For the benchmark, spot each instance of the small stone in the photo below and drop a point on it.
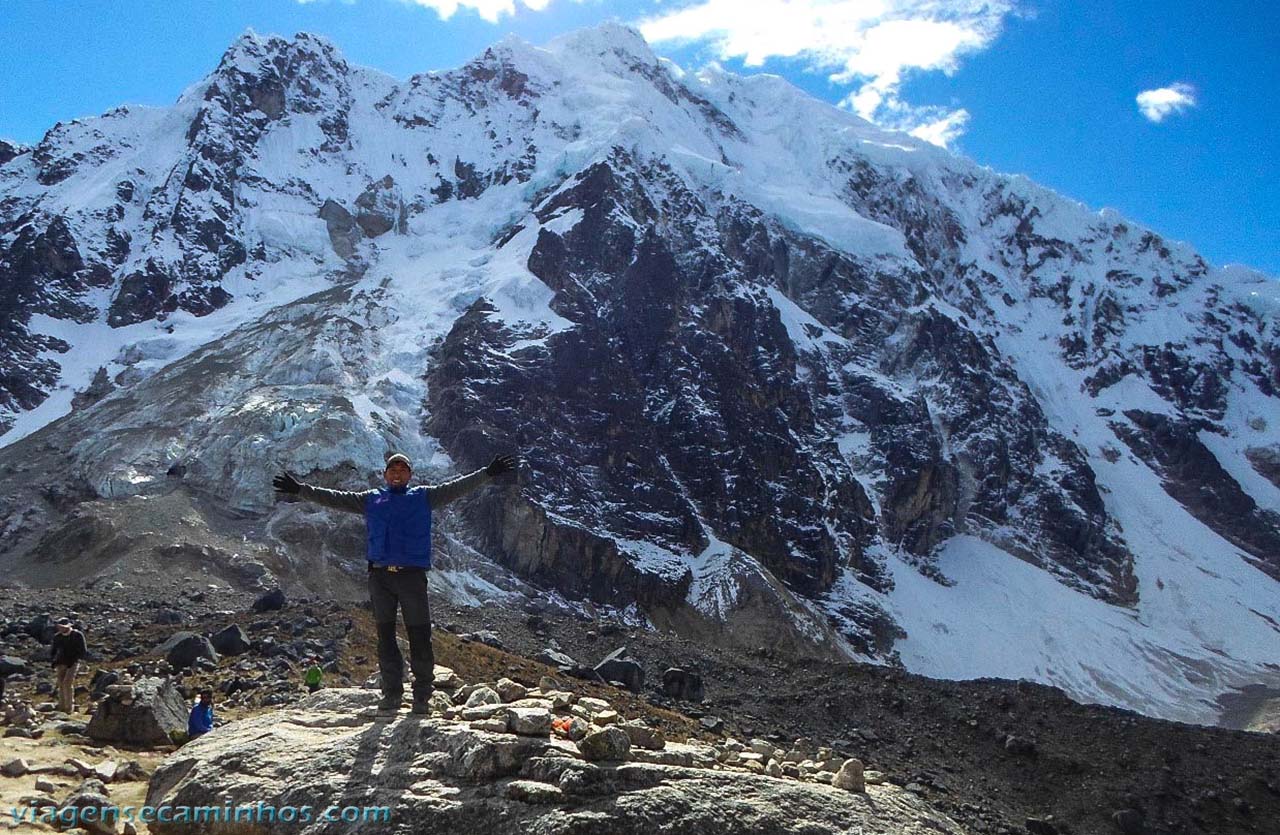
(850, 777)
(593, 704)
(106, 770)
(1019, 746)
(773, 769)
(15, 767)
(642, 736)
(472, 714)
(873, 778)
(610, 743)
(493, 725)
(510, 691)
(529, 721)
(606, 717)
(444, 678)
(531, 791)
(483, 696)
(44, 785)
(82, 768)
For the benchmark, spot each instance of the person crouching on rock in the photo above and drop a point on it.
(398, 522)
(201, 720)
(66, 651)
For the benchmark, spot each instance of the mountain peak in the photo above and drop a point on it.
(249, 50)
(607, 38)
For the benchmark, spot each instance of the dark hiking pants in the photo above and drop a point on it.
(406, 589)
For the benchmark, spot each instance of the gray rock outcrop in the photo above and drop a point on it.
(437, 776)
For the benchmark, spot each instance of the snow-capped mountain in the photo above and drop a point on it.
(780, 377)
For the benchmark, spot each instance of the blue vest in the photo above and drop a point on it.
(399, 526)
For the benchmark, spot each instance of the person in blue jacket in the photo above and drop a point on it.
(398, 526)
(201, 720)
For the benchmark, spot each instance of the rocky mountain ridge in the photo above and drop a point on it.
(779, 377)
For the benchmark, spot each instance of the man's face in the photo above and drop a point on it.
(64, 629)
(397, 474)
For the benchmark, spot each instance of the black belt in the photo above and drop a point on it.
(394, 569)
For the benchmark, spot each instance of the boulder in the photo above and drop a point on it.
(529, 721)
(682, 684)
(271, 601)
(611, 743)
(617, 666)
(510, 691)
(12, 665)
(40, 627)
(850, 776)
(93, 809)
(101, 680)
(15, 767)
(484, 636)
(231, 641)
(143, 714)
(380, 208)
(642, 736)
(555, 658)
(483, 696)
(344, 234)
(183, 648)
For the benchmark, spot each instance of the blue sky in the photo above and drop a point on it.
(1046, 88)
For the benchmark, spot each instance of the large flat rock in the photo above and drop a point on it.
(438, 776)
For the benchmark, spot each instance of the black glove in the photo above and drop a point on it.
(286, 483)
(501, 464)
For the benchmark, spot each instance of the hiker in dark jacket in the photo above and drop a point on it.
(66, 651)
(200, 721)
(398, 526)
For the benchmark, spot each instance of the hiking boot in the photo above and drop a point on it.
(421, 704)
(390, 702)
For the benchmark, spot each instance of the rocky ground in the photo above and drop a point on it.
(988, 755)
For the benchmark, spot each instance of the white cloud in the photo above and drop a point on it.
(943, 131)
(873, 44)
(490, 10)
(1165, 101)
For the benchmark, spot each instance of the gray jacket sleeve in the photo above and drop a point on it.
(337, 499)
(441, 494)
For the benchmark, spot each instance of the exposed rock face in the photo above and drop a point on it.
(436, 776)
(143, 713)
(9, 150)
(1266, 460)
(1193, 476)
(344, 234)
(380, 208)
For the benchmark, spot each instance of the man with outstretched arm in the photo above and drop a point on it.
(398, 523)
